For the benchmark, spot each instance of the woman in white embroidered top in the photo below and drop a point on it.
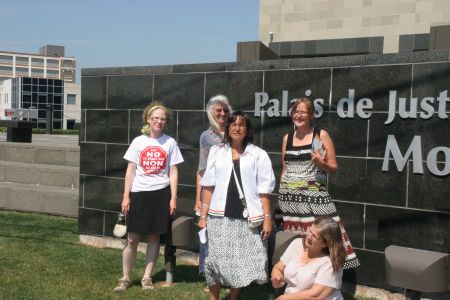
(236, 187)
(312, 266)
(150, 191)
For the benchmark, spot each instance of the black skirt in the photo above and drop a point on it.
(149, 212)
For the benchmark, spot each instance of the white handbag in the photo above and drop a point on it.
(120, 229)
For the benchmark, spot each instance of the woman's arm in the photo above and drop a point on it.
(277, 275)
(267, 225)
(129, 177)
(198, 191)
(327, 163)
(317, 291)
(207, 192)
(173, 181)
(283, 153)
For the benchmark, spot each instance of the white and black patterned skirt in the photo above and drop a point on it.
(237, 255)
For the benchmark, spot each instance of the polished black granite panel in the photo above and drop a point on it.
(187, 170)
(430, 80)
(366, 85)
(352, 217)
(81, 191)
(258, 65)
(90, 221)
(143, 70)
(372, 270)
(428, 191)
(357, 179)
(180, 91)
(92, 159)
(116, 165)
(349, 136)
(125, 92)
(257, 128)
(103, 193)
(136, 124)
(273, 131)
(296, 83)
(276, 166)
(186, 200)
(239, 87)
(403, 130)
(408, 228)
(109, 126)
(406, 57)
(433, 132)
(93, 93)
(82, 125)
(211, 67)
(320, 62)
(191, 124)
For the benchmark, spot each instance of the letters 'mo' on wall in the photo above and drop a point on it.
(387, 115)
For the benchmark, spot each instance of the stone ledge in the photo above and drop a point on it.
(192, 259)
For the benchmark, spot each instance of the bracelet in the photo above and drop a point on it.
(268, 215)
(202, 217)
(204, 204)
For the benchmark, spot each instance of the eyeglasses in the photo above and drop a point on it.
(155, 119)
(219, 110)
(235, 126)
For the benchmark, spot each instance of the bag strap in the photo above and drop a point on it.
(241, 194)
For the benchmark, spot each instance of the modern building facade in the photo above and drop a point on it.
(39, 82)
(310, 28)
(49, 63)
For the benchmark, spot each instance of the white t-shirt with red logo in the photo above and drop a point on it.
(153, 159)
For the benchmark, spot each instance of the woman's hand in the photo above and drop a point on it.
(125, 205)
(202, 223)
(172, 206)
(267, 228)
(316, 158)
(277, 279)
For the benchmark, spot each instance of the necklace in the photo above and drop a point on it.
(235, 155)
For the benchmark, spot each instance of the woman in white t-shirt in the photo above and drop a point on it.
(312, 266)
(150, 192)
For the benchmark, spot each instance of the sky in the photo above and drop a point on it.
(116, 33)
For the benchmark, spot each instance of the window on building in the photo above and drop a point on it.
(6, 59)
(6, 70)
(22, 60)
(71, 99)
(37, 62)
(52, 63)
(21, 71)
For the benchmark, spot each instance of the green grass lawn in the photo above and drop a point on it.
(41, 258)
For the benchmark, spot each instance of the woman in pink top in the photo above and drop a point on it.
(312, 266)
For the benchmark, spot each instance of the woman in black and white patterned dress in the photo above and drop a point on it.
(308, 154)
(237, 252)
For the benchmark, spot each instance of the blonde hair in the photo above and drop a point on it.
(217, 99)
(331, 234)
(148, 111)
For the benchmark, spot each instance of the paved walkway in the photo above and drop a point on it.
(59, 140)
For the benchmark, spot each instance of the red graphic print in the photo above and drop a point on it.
(153, 160)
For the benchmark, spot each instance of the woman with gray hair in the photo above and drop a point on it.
(218, 110)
